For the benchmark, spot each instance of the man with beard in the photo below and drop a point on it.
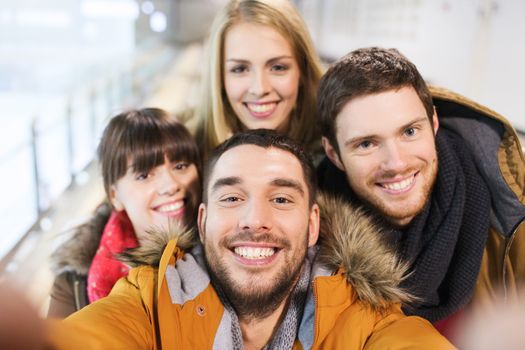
(449, 189)
(257, 278)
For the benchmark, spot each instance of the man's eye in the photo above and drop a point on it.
(230, 199)
(364, 144)
(281, 200)
(410, 131)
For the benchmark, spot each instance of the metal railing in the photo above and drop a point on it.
(69, 140)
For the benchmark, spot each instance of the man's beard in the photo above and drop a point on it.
(392, 217)
(248, 301)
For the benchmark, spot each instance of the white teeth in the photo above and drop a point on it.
(171, 207)
(261, 108)
(401, 185)
(254, 253)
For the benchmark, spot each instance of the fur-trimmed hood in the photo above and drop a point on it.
(152, 247)
(77, 253)
(349, 239)
(499, 157)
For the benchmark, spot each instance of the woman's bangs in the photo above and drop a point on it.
(147, 154)
(182, 148)
(154, 151)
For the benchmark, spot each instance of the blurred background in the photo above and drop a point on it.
(67, 66)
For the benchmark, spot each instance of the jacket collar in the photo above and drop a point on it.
(350, 242)
(497, 152)
(76, 254)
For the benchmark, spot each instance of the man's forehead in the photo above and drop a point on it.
(251, 161)
(378, 112)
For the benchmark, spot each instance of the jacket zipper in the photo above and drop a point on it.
(316, 313)
(76, 288)
(508, 243)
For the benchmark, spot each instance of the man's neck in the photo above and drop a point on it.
(256, 333)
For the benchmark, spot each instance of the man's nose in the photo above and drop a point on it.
(394, 157)
(256, 216)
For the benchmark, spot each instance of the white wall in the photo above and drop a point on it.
(474, 47)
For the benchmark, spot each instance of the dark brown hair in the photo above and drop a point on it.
(143, 138)
(264, 138)
(362, 72)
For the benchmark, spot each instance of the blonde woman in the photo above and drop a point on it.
(262, 72)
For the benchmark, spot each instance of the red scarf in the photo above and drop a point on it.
(105, 270)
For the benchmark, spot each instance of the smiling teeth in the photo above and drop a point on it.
(261, 108)
(401, 185)
(254, 253)
(171, 207)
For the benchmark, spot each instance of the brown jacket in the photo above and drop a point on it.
(493, 141)
(70, 264)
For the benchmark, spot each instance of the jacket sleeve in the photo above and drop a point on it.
(62, 297)
(407, 333)
(122, 320)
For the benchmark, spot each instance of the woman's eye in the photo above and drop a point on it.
(181, 166)
(141, 176)
(279, 67)
(239, 69)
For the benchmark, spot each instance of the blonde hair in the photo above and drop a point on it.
(216, 119)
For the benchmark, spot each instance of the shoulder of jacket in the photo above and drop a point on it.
(78, 251)
(352, 242)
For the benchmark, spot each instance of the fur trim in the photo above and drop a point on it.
(352, 240)
(77, 253)
(348, 239)
(151, 248)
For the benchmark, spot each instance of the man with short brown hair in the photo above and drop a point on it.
(447, 181)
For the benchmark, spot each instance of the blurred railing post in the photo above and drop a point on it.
(109, 98)
(93, 117)
(135, 88)
(69, 140)
(36, 174)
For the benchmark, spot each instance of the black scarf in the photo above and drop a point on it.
(445, 241)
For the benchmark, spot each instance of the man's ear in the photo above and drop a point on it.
(114, 200)
(313, 225)
(201, 221)
(435, 121)
(331, 153)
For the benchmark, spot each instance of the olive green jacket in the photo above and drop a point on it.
(499, 157)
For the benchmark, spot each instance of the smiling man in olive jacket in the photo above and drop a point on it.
(445, 174)
(259, 277)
